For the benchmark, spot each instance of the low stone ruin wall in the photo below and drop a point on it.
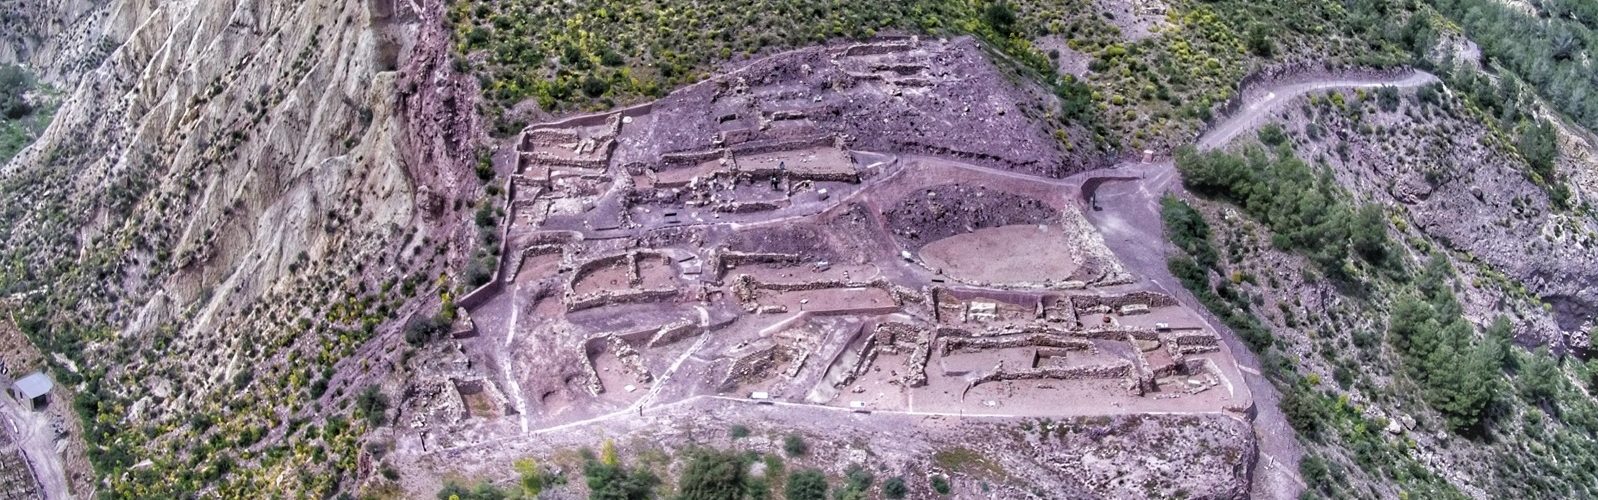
(607, 297)
(916, 376)
(851, 311)
(755, 366)
(979, 344)
(630, 260)
(893, 335)
(594, 385)
(1087, 303)
(850, 177)
(534, 138)
(1193, 343)
(464, 326)
(1118, 333)
(480, 385)
(625, 354)
(791, 131)
(673, 332)
(434, 402)
(530, 251)
(745, 288)
(776, 146)
(602, 118)
(629, 358)
(724, 261)
(1143, 377)
(745, 207)
(866, 355)
(582, 163)
(690, 159)
(877, 49)
(591, 266)
(1123, 371)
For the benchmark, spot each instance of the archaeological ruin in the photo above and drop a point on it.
(790, 233)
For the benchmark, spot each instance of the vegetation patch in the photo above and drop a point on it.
(968, 461)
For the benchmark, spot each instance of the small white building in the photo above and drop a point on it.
(34, 388)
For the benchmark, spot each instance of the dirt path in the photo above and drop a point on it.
(1131, 225)
(32, 435)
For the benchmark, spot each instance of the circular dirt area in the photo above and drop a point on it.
(1005, 255)
(949, 210)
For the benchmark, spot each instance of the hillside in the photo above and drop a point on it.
(917, 248)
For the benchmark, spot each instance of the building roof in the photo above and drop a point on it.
(34, 385)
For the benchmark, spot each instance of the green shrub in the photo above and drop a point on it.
(895, 488)
(856, 485)
(479, 271)
(594, 86)
(615, 482)
(483, 491)
(795, 445)
(713, 475)
(806, 484)
(423, 330)
(940, 484)
(1305, 211)
(1000, 16)
(372, 404)
(1188, 230)
(1273, 135)
(1458, 375)
(14, 83)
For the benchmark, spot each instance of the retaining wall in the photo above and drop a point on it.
(979, 344)
(607, 297)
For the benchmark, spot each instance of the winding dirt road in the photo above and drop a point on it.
(1131, 226)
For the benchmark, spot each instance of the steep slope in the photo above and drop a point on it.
(223, 208)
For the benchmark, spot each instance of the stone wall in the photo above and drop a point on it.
(775, 146)
(594, 385)
(590, 266)
(876, 49)
(674, 332)
(602, 118)
(629, 358)
(893, 335)
(745, 207)
(756, 366)
(979, 344)
(582, 163)
(745, 289)
(751, 134)
(673, 161)
(477, 297)
(722, 262)
(1086, 303)
(1142, 379)
(608, 297)
(1123, 371)
(864, 357)
(1193, 343)
(916, 376)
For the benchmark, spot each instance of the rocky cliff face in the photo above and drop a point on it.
(1462, 185)
(221, 207)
